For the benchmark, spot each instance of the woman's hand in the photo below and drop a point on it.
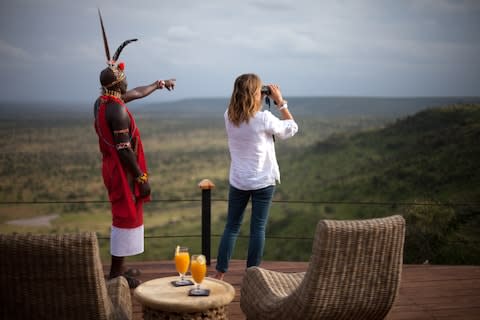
(276, 94)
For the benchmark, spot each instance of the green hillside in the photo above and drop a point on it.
(425, 166)
(431, 155)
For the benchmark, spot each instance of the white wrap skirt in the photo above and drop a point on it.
(126, 242)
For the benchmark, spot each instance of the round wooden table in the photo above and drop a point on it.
(161, 300)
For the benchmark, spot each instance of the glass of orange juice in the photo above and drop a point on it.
(198, 268)
(182, 261)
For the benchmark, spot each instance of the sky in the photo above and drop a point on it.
(52, 50)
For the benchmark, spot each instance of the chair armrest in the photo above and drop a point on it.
(264, 292)
(269, 282)
(119, 293)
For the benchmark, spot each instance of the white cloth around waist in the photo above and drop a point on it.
(126, 242)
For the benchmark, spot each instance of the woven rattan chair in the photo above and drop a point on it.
(354, 273)
(58, 277)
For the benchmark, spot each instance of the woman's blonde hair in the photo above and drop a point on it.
(244, 102)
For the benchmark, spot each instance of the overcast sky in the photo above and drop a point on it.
(52, 50)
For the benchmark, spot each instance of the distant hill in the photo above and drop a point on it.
(384, 107)
(337, 107)
(431, 158)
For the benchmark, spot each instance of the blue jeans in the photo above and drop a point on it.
(237, 202)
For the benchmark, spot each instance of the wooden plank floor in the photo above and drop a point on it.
(426, 291)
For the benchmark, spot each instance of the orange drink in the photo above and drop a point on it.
(199, 271)
(182, 260)
(198, 268)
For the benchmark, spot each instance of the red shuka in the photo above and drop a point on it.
(127, 207)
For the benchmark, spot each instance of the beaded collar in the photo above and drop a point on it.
(112, 93)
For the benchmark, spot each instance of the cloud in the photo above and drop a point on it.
(181, 33)
(9, 53)
(275, 5)
(446, 6)
(332, 43)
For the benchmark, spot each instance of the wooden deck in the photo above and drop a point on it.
(426, 291)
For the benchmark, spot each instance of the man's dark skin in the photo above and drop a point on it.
(118, 120)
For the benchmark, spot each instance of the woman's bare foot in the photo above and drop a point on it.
(219, 275)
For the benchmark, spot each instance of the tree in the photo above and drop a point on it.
(429, 225)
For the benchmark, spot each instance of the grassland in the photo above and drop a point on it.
(331, 169)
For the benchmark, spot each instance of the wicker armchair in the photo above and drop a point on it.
(58, 277)
(354, 273)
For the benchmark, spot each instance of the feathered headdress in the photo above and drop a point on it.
(117, 68)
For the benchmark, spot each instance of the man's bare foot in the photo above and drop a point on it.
(219, 275)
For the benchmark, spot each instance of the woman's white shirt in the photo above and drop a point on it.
(252, 150)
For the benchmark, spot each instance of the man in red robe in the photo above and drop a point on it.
(124, 168)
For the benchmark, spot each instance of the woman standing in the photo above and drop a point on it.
(253, 168)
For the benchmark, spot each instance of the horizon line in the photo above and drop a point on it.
(19, 101)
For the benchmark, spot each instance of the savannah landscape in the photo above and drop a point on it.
(353, 160)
